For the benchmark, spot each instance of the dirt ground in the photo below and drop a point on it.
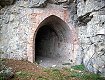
(24, 66)
(19, 65)
(31, 71)
(24, 70)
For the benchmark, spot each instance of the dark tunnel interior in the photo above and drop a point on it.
(52, 42)
(44, 38)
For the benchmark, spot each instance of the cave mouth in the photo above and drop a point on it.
(52, 43)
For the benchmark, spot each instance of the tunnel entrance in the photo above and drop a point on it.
(52, 43)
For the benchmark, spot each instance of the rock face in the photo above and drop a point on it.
(6, 2)
(91, 19)
(43, 3)
(20, 22)
(60, 1)
(37, 3)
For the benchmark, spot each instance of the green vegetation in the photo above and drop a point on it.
(86, 75)
(23, 74)
(79, 72)
(79, 67)
(55, 74)
(42, 78)
(1, 78)
(76, 72)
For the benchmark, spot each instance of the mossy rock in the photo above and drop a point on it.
(1, 52)
(6, 73)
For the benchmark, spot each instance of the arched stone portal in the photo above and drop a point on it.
(53, 43)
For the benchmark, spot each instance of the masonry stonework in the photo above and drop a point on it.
(20, 27)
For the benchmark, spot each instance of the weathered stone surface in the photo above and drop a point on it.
(43, 3)
(89, 6)
(58, 1)
(37, 3)
(92, 34)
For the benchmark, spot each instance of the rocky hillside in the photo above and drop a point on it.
(88, 16)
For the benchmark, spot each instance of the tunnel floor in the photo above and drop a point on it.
(51, 63)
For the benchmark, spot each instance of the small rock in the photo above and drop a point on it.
(72, 69)
(40, 60)
(80, 71)
(53, 65)
(12, 18)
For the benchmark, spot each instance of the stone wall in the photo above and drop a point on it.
(91, 26)
(19, 26)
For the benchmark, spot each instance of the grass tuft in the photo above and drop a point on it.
(41, 78)
(23, 74)
(78, 67)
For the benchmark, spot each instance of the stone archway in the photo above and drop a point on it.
(53, 42)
